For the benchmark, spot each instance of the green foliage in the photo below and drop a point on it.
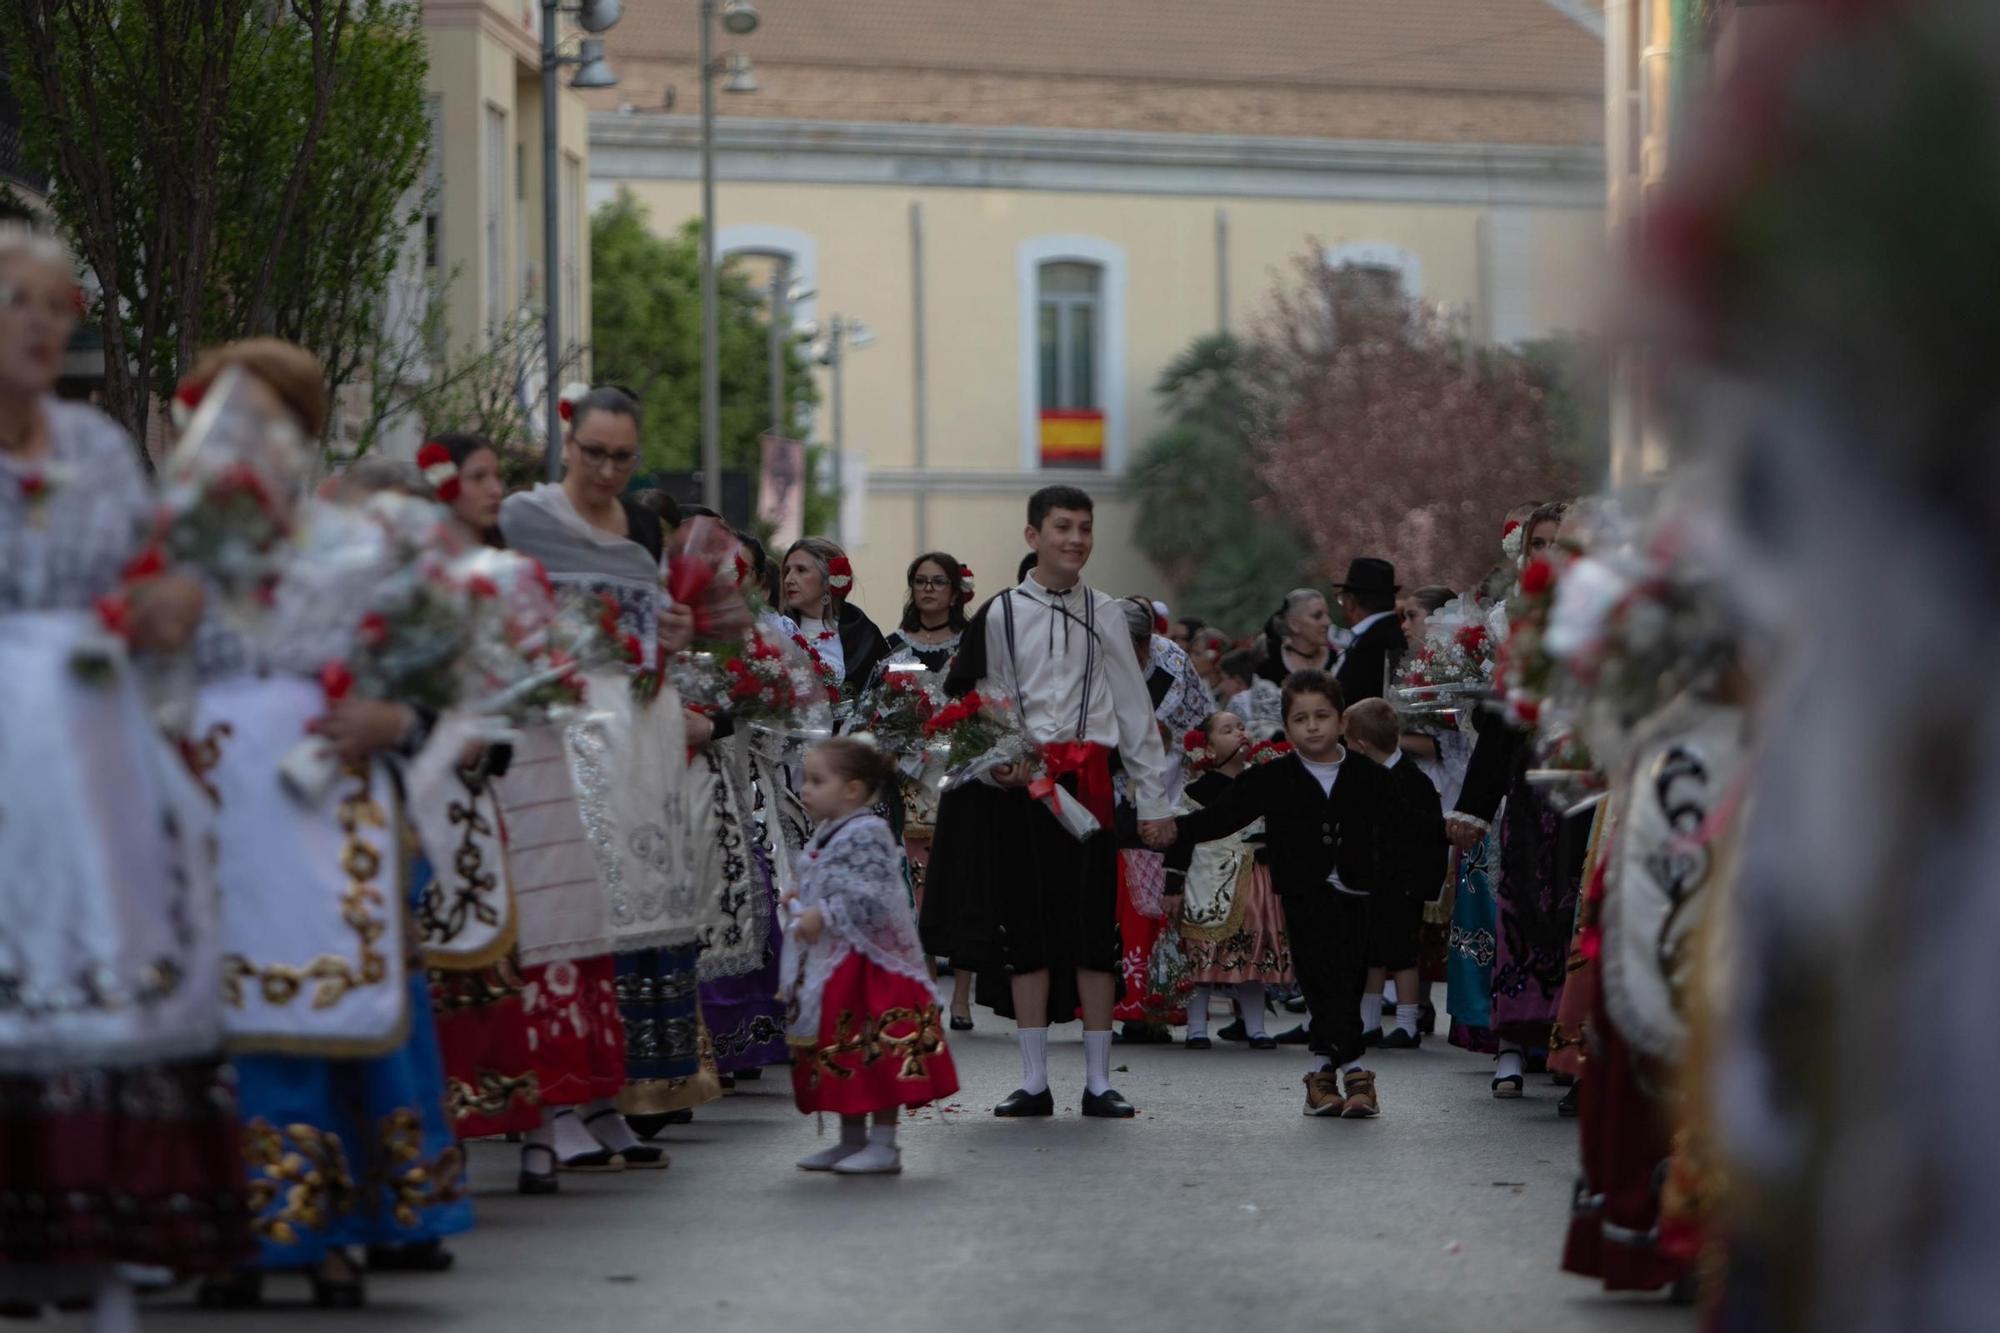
(1202, 516)
(1576, 394)
(225, 170)
(646, 335)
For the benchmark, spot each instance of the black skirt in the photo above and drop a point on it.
(1009, 891)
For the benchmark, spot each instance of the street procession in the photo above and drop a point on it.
(1019, 667)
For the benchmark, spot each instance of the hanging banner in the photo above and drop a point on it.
(781, 489)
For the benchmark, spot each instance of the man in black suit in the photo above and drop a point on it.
(1368, 601)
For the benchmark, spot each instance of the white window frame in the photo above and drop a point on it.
(1109, 258)
(799, 250)
(1380, 254)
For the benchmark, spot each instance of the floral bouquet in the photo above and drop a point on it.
(1454, 666)
(900, 705)
(706, 573)
(1524, 670)
(823, 672)
(978, 733)
(525, 658)
(1201, 756)
(229, 490)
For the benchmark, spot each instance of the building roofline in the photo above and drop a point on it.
(653, 146)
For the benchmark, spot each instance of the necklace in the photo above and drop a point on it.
(934, 629)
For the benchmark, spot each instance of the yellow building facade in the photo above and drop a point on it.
(1028, 265)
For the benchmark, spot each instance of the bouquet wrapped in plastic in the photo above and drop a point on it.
(1168, 978)
(899, 705)
(524, 659)
(1452, 669)
(978, 733)
(706, 573)
(230, 489)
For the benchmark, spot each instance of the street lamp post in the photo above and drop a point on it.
(739, 17)
(842, 335)
(592, 72)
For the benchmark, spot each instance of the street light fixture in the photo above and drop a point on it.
(742, 78)
(592, 71)
(739, 17)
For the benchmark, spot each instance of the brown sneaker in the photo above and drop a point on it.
(1360, 1103)
(1323, 1093)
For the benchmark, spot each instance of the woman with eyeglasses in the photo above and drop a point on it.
(119, 1120)
(629, 759)
(817, 581)
(934, 616)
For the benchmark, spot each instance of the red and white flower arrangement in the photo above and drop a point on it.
(434, 461)
(1512, 539)
(965, 584)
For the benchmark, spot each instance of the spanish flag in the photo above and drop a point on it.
(1072, 439)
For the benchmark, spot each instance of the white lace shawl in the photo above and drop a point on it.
(852, 872)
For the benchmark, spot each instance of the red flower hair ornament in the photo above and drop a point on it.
(186, 401)
(434, 461)
(965, 579)
(840, 576)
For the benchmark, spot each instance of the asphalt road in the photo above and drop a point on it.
(1218, 1208)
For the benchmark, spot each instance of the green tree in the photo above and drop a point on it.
(225, 168)
(646, 335)
(1204, 517)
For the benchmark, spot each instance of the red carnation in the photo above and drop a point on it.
(34, 487)
(482, 587)
(1194, 740)
(113, 612)
(840, 575)
(1160, 625)
(374, 630)
(336, 680)
(1538, 577)
(149, 563)
(1472, 638)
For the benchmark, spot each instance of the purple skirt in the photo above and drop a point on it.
(745, 1018)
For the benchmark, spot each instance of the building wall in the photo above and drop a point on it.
(485, 56)
(1514, 263)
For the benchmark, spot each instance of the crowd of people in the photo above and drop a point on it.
(277, 949)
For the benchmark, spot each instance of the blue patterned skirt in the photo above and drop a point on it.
(1475, 927)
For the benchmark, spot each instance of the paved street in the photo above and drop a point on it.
(1220, 1205)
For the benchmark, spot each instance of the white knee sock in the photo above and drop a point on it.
(1510, 1062)
(116, 1308)
(1198, 1013)
(1250, 1005)
(571, 1138)
(1034, 1059)
(610, 1130)
(1390, 995)
(1371, 1012)
(1406, 1017)
(1097, 1062)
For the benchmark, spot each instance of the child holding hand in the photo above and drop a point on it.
(865, 1028)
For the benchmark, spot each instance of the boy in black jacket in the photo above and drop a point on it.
(1414, 858)
(1323, 811)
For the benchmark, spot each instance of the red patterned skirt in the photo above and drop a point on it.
(517, 1040)
(881, 1045)
(140, 1166)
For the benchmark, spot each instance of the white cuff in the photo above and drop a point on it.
(1460, 817)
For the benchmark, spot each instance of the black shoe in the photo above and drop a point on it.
(1563, 1080)
(428, 1256)
(1108, 1106)
(1022, 1105)
(542, 1181)
(1297, 1036)
(1427, 1020)
(1264, 1043)
(1567, 1107)
(1395, 1039)
(960, 1024)
(1372, 1038)
(1199, 1043)
(749, 1075)
(1296, 1005)
(1233, 1031)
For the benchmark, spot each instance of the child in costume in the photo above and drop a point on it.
(866, 1031)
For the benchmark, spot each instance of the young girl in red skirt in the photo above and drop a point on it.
(866, 1031)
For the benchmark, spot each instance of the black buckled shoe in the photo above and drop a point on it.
(1264, 1043)
(961, 1024)
(1199, 1043)
(1400, 1039)
(1022, 1105)
(1372, 1038)
(1297, 1036)
(1233, 1031)
(1108, 1105)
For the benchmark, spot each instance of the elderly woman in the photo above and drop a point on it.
(1297, 637)
(118, 1119)
(816, 582)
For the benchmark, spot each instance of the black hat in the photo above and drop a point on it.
(1368, 574)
